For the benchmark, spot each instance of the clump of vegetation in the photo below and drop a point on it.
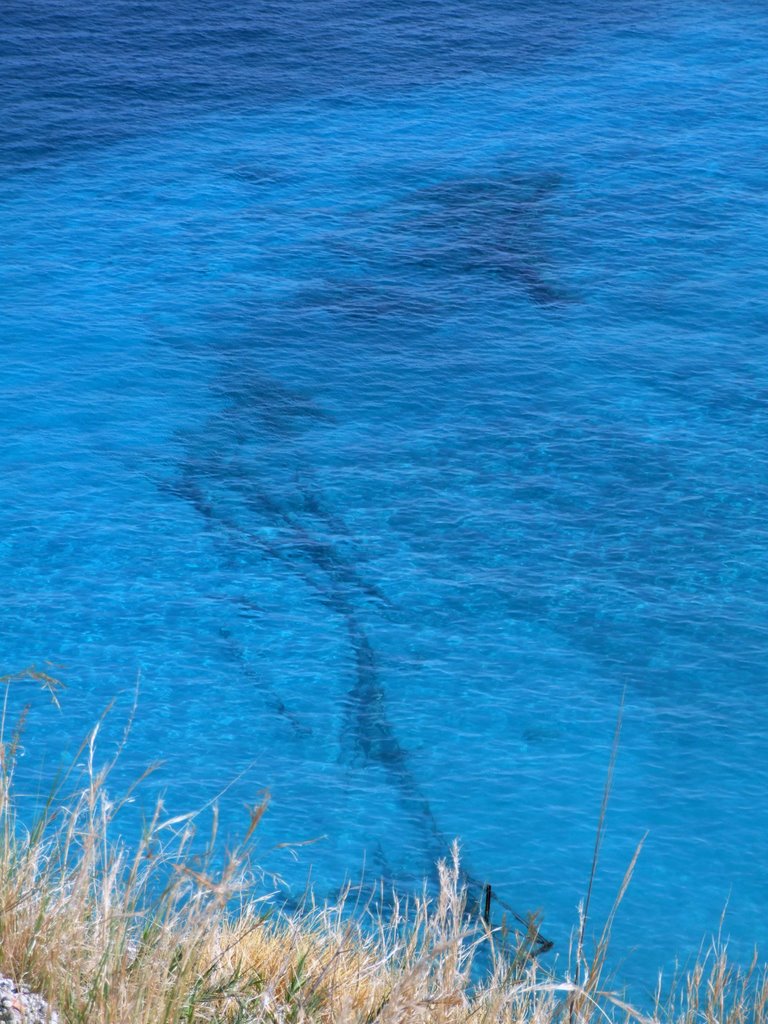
(156, 936)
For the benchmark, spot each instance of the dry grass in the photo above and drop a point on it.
(150, 938)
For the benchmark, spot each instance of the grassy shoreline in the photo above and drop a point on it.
(154, 935)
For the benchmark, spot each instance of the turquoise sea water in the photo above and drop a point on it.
(387, 387)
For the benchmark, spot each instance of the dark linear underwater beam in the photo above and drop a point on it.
(188, 491)
(377, 741)
(373, 739)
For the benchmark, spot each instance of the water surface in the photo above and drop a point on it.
(387, 387)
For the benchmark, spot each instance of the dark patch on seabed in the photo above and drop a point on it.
(492, 224)
(298, 541)
(417, 252)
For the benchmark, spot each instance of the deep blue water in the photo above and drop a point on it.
(387, 384)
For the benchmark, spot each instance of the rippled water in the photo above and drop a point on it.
(387, 385)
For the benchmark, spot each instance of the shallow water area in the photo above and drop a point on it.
(390, 396)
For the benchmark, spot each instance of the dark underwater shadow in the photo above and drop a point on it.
(236, 498)
(492, 224)
(441, 246)
(376, 280)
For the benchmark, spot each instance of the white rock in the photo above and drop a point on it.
(20, 1006)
